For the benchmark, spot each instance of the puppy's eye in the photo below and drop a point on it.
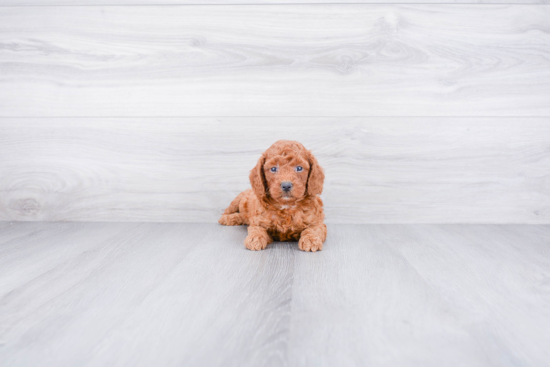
(273, 169)
(299, 169)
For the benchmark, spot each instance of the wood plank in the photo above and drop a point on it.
(157, 295)
(226, 306)
(372, 306)
(87, 289)
(191, 294)
(430, 295)
(492, 263)
(284, 60)
(378, 170)
(251, 2)
(13, 230)
(47, 248)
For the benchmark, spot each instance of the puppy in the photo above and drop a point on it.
(284, 202)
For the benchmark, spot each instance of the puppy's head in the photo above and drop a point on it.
(285, 173)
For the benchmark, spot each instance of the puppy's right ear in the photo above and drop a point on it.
(257, 179)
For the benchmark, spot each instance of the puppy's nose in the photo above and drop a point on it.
(286, 186)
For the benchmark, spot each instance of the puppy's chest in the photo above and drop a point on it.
(286, 224)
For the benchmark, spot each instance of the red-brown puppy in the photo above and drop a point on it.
(284, 202)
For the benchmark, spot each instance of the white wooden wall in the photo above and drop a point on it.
(418, 112)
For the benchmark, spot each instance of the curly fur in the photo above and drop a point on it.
(273, 214)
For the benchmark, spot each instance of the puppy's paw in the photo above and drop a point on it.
(231, 219)
(224, 220)
(255, 243)
(310, 243)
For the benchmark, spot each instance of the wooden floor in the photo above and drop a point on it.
(169, 294)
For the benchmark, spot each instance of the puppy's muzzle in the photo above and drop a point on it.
(286, 186)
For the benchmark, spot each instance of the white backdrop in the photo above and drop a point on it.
(418, 113)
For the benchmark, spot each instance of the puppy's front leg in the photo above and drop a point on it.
(312, 238)
(257, 238)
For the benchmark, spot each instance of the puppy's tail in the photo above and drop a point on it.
(234, 206)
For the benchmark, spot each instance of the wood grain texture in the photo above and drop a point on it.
(162, 294)
(378, 170)
(424, 295)
(284, 60)
(191, 292)
(251, 2)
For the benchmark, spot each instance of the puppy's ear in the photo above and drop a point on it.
(257, 179)
(316, 176)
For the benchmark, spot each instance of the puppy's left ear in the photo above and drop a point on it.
(316, 176)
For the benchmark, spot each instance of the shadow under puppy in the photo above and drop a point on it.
(284, 202)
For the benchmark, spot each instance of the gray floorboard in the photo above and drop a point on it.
(173, 294)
